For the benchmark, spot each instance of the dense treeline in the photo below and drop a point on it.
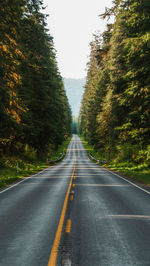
(115, 111)
(34, 109)
(74, 125)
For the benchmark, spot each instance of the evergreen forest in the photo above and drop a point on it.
(115, 111)
(34, 111)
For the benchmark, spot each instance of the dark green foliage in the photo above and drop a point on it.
(116, 108)
(74, 125)
(10, 57)
(34, 108)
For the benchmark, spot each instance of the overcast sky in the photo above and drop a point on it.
(72, 24)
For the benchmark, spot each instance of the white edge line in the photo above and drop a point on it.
(128, 181)
(25, 178)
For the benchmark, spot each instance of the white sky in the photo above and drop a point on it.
(72, 24)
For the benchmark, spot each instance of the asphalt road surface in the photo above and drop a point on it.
(75, 213)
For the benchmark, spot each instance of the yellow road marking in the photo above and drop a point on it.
(71, 197)
(54, 251)
(68, 226)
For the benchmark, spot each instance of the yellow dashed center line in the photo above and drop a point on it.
(71, 198)
(54, 250)
(68, 226)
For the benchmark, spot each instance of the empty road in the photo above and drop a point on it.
(75, 213)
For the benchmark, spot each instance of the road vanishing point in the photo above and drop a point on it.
(75, 213)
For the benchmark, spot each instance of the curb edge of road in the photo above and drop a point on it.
(23, 178)
(18, 181)
(120, 174)
(142, 186)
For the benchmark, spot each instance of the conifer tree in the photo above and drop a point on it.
(130, 73)
(11, 107)
(122, 97)
(34, 108)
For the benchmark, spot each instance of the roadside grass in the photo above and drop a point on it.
(139, 172)
(62, 148)
(17, 168)
(90, 149)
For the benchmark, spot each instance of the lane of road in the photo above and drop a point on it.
(30, 212)
(110, 219)
(107, 220)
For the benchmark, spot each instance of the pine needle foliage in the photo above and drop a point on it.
(34, 108)
(115, 111)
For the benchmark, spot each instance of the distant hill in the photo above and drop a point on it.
(74, 90)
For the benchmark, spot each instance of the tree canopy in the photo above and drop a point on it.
(34, 107)
(115, 109)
